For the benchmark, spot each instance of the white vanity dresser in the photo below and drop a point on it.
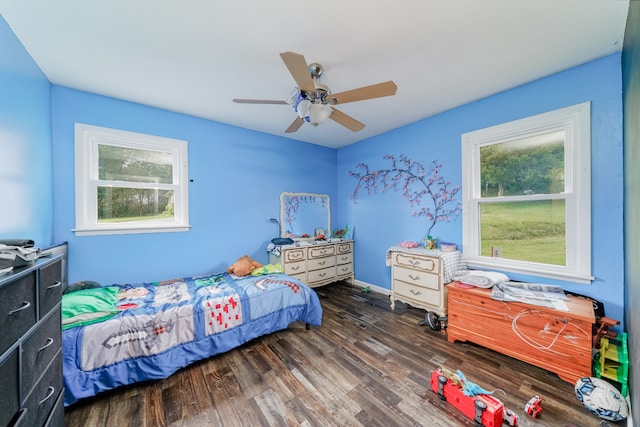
(314, 261)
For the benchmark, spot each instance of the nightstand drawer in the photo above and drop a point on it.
(17, 309)
(417, 277)
(416, 293)
(429, 264)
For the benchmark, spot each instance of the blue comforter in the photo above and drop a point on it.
(164, 326)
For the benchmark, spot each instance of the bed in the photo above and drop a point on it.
(124, 334)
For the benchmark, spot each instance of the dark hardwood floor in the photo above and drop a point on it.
(367, 365)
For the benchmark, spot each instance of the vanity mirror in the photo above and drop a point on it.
(304, 215)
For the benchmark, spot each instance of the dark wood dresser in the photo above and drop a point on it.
(31, 386)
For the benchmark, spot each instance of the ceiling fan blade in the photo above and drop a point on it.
(367, 92)
(346, 120)
(295, 125)
(258, 101)
(299, 70)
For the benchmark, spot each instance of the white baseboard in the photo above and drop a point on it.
(374, 288)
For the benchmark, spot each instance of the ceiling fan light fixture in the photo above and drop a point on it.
(318, 113)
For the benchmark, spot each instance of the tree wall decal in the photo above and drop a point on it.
(417, 187)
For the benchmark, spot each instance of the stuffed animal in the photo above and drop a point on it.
(243, 266)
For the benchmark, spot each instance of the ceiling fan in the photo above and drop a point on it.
(314, 102)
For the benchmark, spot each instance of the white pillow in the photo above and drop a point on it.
(480, 278)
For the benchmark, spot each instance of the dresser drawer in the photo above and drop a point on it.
(345, 269)
(418, 262)
(292, 255)
(293, 268)
(39, 349)
(45, 394)
(320, 263)
(344, 248)
(345, 258)
(9, 403)
(321, 275)
(17, 309)
(417, 277)
(322, 251)
(50, 287)
(56, 418)
(416, 293)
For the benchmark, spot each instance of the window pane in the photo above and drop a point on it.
(134, 165)
(134, 204)
(525, 166)
(524, 231)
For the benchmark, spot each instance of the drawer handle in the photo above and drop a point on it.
(48, 396)
(25, 305)
(415, 292)
(412, 277)
(322, 262)
(322, 274)
(57, 284)
(414, 263)
(295, 268)
(48, 344)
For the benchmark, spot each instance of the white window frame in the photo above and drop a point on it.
(575, 121)
(87, 140)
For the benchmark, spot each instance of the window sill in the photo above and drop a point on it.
(129, 230)
(495, 264)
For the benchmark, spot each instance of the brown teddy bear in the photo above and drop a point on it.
(243, 266)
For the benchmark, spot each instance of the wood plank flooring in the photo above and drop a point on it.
(365, 366)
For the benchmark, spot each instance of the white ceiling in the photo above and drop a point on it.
(195, 56)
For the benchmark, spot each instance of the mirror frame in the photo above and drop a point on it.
(283, 228)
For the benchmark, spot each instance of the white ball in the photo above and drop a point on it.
(602, 398)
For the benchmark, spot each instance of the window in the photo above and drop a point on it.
(129, 182)
(527, 195)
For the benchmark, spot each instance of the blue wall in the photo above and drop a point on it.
(382, 220)
(26, 209)
(237, 175)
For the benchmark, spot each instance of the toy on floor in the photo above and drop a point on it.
(533, 407)
(484, 409)
(601, 398)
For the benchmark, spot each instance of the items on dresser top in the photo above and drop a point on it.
(30, 345)
(315, 263)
